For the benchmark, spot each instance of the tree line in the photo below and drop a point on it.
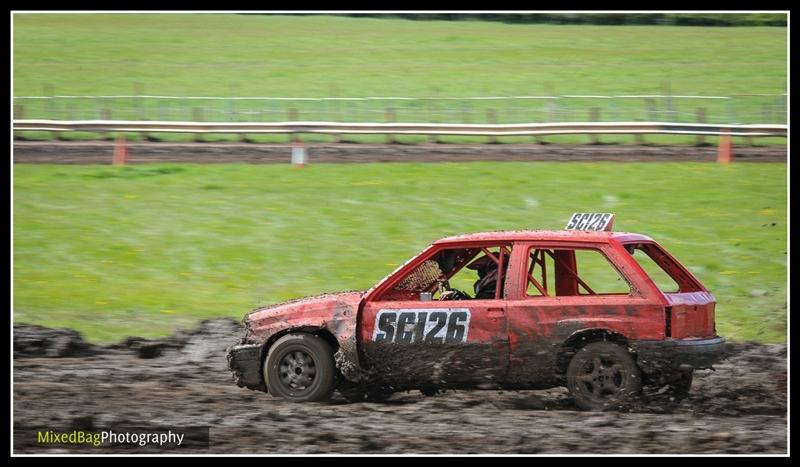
(667, 19)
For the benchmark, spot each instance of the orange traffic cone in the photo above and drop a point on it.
(120, 152)
(725, 155)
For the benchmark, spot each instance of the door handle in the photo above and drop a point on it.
(496, 313)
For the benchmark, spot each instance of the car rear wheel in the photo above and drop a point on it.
(299, 367)
(603, 376)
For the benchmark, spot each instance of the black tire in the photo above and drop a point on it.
(603, 376)
(299, 367)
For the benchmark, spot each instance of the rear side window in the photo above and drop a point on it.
(571, 272)
(668, 276)
(598, 273)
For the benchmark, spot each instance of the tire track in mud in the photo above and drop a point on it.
(62, 383)
(101, 153)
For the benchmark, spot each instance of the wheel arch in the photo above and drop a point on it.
(322, 333)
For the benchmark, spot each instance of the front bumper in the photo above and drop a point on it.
(244, 361)
(676, 353)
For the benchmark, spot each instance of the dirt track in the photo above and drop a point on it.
(62, 383)
(101, 153)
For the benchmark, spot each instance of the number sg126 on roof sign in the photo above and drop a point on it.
(590, 221)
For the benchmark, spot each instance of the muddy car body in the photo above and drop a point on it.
(577, 308)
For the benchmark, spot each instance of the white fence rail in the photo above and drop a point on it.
(735, 109)
(397, 98)
(517, 129)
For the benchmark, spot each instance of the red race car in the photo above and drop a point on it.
(603, 313)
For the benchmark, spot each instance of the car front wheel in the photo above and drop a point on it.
(299, 367)
(602, 376)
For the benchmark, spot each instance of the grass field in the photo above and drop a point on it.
(327, 56)
(256, 55)
(145, 250)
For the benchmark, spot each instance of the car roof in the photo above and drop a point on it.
(587, 236)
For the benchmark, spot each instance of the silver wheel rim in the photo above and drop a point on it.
(297, 370)
(602, 378)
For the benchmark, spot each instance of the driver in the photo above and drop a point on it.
(486, 285)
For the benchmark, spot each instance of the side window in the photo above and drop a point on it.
(541, 281)
(456, 274)
(570, 272)
(597, 272)
(484, 275)
(667, 275)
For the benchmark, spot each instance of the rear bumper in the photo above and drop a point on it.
(674, 353)
(244, 361)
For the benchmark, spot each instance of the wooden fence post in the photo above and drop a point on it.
(197, 116)
(390, 118)
(105, 114)
(491, 118)
(701, 118)
(291, 115)
(19, 113)
(594, 116)
(431, 119)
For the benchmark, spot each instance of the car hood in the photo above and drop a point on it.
(331, 311)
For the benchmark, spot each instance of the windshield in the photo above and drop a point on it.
(391, 274)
